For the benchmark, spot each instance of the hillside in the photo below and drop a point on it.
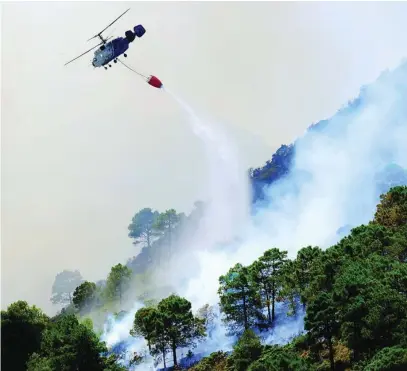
(354, 295)
(388, 91)
(389, 170)
(350, 298)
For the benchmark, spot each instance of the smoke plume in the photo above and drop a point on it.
(331, 183)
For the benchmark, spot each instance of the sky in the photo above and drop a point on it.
(84, 149)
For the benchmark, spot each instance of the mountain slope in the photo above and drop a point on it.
(383, 103)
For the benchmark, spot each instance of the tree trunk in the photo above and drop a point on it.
(268, 309)
(149, 345)
(174, 353)
(273, 299)
(165, 366)
(245, 311)
(356, 351)
(331, 354)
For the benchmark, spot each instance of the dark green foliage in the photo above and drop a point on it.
(239, 299)
(84, 296)
(321, 322)
(267, 274)
(373, 314)
(180, 326)
(118, 282)
(389, 359)
(298, 275)
(111, 363)
(247, 350)
(216, 361)
(159, 343)
(302, 272)
(64, 285)
(358, 292)
(37, 363)
(67, 346)
(145, 324)
(324, 271)
(277, 358)
(374, 238)
(168, 326)
(22, 327)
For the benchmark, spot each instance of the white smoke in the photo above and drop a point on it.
(226, 184)
(340, 163)
(118, 331)
(116, 335)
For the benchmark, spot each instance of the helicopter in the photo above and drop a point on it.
(111, 50)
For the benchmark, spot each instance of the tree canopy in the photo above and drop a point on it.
(21, 333)
(118, 282)
(141, 228)
(84, 295)
(353, 294)
(169, 326)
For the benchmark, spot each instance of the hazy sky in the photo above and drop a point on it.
(84, 149)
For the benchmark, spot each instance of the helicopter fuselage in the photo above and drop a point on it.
(110, 51)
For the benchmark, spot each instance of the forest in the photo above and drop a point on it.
(353, 294)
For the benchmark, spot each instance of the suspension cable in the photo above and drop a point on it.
(131, 69)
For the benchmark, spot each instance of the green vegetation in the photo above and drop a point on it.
(354, 294)
(168, 326)
(142, 225)
(118, 282)
(239, 299)
(32, 341)
(21, 329)
(84, 295)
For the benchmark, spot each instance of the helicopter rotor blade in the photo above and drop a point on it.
(83, 54)
(98, 35)
(110, 35)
